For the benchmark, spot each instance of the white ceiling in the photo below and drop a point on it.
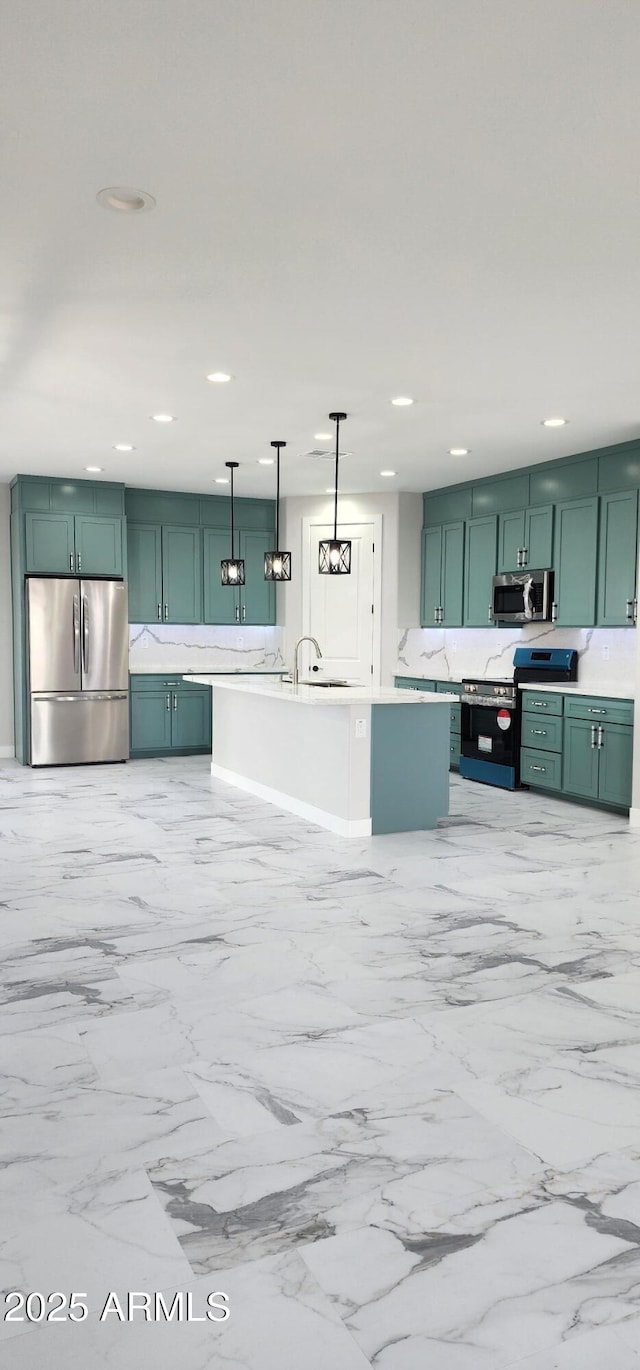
(355, 199)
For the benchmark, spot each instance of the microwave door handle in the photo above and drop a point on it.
(528, 607)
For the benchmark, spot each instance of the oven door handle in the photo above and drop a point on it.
(491, 704)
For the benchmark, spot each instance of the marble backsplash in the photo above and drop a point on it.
(606, 654)
(185, 647)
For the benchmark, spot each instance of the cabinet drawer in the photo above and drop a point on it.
(543, 733)
(541, 704)
(448, 687)
(407, 682)
(163, 680)
(543, 769)
(596, 710)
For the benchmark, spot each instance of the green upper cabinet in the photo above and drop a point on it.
(510, 540)
(617, 559)
(73, 544)
(431, 576)
(480, 558)
(144, 553)
(575, 559)
(181, 574)
(525, 538)
(257, 595)
(99, 550)
(221, 603)
(442, 572)
(50, 544)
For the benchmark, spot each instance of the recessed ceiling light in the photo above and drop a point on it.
(93, 468)
(222, 480)
(125, 200)
(387, 473)
(554, 423)
(123, 447)
(219, 377)
(163, 418)
(459, 451)
(323, 437)
(402, 399)
(265, 461)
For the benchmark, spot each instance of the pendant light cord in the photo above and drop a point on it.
(277, 497)
(232, 525)
(335, 507)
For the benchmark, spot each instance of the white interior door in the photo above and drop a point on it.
(340, 611)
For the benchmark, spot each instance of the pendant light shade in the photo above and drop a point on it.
(232, 567)
(334, 554)
(277, 565)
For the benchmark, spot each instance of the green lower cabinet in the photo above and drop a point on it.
(617, 559)
(150, 722)
(408, 682)
(580, 758)
(50, 544)
(480, 557)
(544, 734)
(615, 764)
(575, 560)
(598, 761)
(454, 751)
(169, 715)
(191, 719)
(99, 549)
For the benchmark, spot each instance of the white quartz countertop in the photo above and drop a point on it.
(313, 694)
(202, 670)
(611, 689)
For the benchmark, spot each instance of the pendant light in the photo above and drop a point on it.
(232, 567)
(277, 565)
(335, 554)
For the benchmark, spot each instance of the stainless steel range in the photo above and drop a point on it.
(490, 725)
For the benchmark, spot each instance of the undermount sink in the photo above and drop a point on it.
(328, 684)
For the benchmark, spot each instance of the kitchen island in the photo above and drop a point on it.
(357, 761)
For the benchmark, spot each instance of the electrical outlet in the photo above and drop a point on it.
(361, 727)
(453, 645)
(239, 642)
(605, 652)
(144, 642)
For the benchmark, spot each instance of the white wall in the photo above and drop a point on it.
(6, 637)
(401, 524)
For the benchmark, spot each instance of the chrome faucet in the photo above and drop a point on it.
(295, 672)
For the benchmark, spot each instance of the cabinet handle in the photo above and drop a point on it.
(237, 613)
(159, 613)
(540, 703)
(168, 702)
(596, 711)
(436, 611)
(629, 613)
(490, 614)
(635, 610)
(244, 613)
(175, 703)
(79, 561)
(554, 612)
(166, 612)
(525, 556)
(593, 735)
(537, 768)
(171, 683)
(538, 732)
(518, 559)
(440, 614)
(71, 566)
(600, 737)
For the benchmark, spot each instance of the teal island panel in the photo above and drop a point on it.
(409, 766)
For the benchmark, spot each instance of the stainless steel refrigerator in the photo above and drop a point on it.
(77, 652)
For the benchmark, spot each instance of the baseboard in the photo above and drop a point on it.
(344, 827)
(634, 818)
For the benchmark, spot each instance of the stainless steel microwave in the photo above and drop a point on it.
(522, 597)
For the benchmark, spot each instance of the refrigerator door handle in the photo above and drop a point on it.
(85, 634)
(76, 634)
(94, 697)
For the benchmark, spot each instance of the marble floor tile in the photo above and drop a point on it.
(384, 1091)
